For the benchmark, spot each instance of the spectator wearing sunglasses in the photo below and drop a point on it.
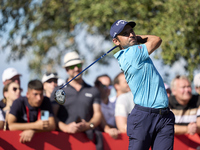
(81, 111)
(31, 113)
(49, 81)
(9, 75)
(11, 92)
(108, 125)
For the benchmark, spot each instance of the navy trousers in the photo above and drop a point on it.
(150, 127)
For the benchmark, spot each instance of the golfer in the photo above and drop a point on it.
(150, 123)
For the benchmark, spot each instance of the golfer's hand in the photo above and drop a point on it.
(42, 124)
(26, 136)
(192, 128)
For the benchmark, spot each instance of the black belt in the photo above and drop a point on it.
(161, 111)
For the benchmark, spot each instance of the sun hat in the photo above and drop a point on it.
(71, 58)
(118, 26)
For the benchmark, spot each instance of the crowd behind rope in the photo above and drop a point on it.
(88, 109)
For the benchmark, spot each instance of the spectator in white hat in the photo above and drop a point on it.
(197, 83)
(49, 81)
(81, 111)
(9, 75)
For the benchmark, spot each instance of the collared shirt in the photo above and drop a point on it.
(78, 103)
(142, 77)
(187, 113)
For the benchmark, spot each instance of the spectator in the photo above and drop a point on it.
(123, 108)
(108, 125)
(49, 81)
(103, 83)
(124, 102)
(81, 111)
(1, 119)
(9, 75)
(197, 83)
(185, 106)
(11, 92)
(26, 113)
(120, 84)
(168, 90)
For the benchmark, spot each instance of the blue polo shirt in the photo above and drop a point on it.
(142, 77)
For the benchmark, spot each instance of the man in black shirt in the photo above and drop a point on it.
(31, 113)
(81, 111)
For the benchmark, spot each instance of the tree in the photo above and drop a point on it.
(47, 27)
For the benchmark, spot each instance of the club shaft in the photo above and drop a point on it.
(89, 66)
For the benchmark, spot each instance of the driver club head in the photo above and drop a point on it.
(60, 96)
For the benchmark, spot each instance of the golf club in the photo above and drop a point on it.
(60, 95)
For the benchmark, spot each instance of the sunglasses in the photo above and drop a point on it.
(49, 73)
(78, 65)
(15, 89)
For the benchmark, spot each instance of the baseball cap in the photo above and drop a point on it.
(118, 26)
(197, 80)
(9, 73)
(48, 76)
(71, 58)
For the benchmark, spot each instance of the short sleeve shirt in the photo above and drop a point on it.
(78, 103)
(18, 109)
(142, 77)
(185, 114)
(124, 104)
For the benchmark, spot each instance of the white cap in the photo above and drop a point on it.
(71, 58)
(48, 76)
(197, 80)
(9, 73)
(61, 81)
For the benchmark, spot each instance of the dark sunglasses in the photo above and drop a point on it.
(78, 65)
(52, 80)
(15, 89)
(49, 73)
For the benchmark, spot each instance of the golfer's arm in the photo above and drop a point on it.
(152, 42)
(97, 115)
(180, 129)
(19, 126)
(121, 123)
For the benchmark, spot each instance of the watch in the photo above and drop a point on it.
(91, 126)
